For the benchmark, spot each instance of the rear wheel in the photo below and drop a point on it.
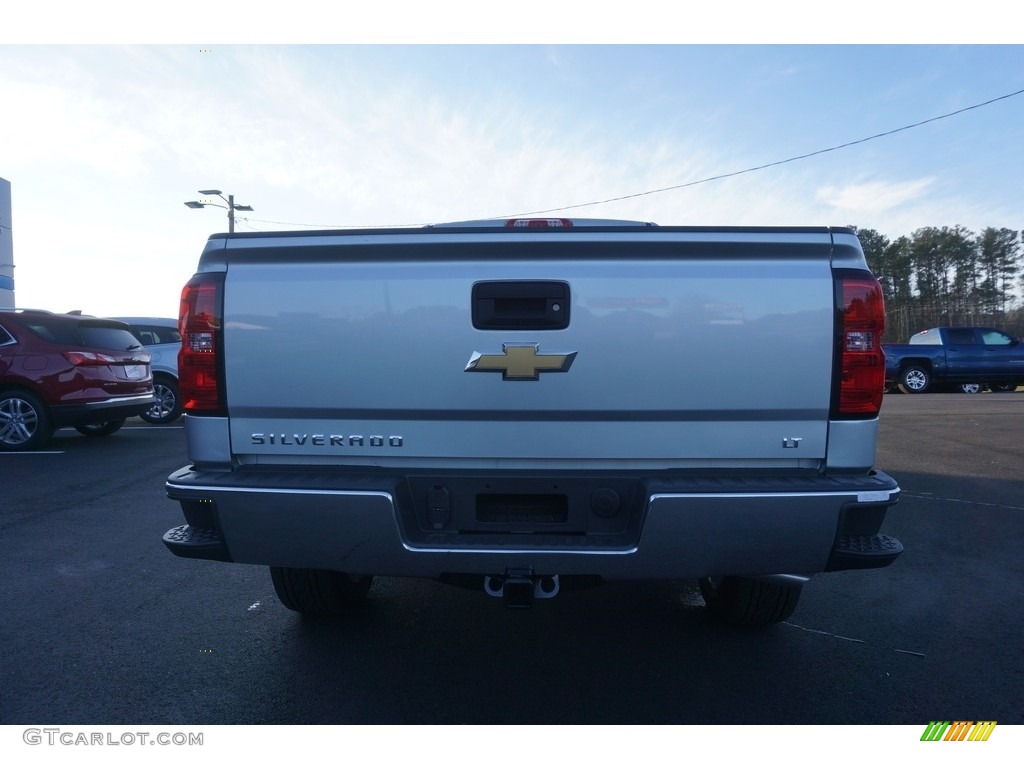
(746, 602)
(1004, 387)
(167, 406)
(100, 428)
(25, 423)
(318, 592)
(915, 379)
(970, 389)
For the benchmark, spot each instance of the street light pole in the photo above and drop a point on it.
(230, 200)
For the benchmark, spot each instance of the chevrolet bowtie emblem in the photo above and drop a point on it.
(520, 362)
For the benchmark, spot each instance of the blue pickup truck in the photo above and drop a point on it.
(961, 357)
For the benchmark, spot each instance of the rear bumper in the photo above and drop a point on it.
(675, 527)
(99, 411)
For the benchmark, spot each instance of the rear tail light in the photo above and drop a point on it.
(201, 358)
(860, 362)
(87, 358)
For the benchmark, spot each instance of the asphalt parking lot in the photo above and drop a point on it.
(101, 624)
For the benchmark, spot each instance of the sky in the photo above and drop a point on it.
(106, 133)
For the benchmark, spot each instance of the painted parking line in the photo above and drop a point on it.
(930, 497)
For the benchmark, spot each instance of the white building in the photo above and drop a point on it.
(6, 247)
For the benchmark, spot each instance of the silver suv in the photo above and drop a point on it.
(160, 337)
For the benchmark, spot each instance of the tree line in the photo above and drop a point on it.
(946, 276)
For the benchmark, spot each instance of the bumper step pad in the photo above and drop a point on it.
(857, 552)
(199, 543)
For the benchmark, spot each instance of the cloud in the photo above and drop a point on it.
(873, 197)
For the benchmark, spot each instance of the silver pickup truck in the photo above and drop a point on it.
(533, 405)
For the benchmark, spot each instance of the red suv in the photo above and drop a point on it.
(67, 371)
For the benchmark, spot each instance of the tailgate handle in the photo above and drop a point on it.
(521, 305)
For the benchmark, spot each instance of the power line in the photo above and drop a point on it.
(684, 185)
(777, 162)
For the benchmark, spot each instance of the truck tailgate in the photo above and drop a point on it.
(672, 355)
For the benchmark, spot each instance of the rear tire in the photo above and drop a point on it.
(1004, 387)
(101, 428)
(317, 592)
(25, 423)
(970, 389)
(745, 602)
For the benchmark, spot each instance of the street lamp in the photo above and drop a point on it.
(230, 200)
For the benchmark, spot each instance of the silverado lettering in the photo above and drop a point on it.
(375, 441)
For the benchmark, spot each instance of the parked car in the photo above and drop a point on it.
(963, 358)
(160, 337)
(67, 371)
